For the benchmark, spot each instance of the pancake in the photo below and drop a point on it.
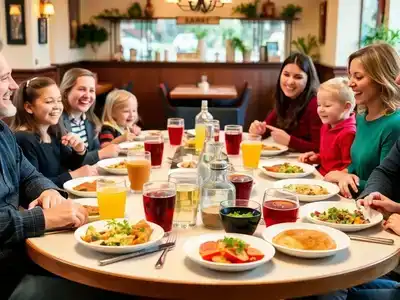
(305, 239)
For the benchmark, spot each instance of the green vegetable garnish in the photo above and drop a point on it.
(121, 227)
(238, 214)
(234, 243)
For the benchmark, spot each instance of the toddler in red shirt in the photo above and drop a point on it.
(335, 108)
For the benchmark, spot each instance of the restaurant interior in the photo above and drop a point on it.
(184, 61)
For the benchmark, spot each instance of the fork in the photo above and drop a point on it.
(171, 239)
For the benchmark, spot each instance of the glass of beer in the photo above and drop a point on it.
(138, 165)
(233, 138)
(175, 130)
(111, 197)
(251, 151)
(187, 198)
(154, 143)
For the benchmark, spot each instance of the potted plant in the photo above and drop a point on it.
(238, 44)
(227, 36)
(91, 34)
(308, 46)
(290, 11)
(247, 9)
(382, 34)
(201, 35)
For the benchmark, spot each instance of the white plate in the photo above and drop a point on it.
(156, 236)
(70, 184)
(143, 133)
(129, 145)
(308, 169)
(192, 245)
(341, 239)
(191, 131)
(91, 202)
(179, 165)
(103, 164)
(306, 210)
(332, 189)
(274, 152)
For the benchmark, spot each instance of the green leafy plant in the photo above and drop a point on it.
(308, 46)
(200, 33)
(247, 9)
(382, 34)
(91, 34)
(228, 34)
(238, 44)
(289, 11)
(135, 10)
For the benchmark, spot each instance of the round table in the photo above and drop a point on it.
(283, 277)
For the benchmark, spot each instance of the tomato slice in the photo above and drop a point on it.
(254, 253)
(236, 257)
(207, 246)
(209, 254)
(208, 250)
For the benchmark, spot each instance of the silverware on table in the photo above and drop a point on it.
(171, 239)
(371, 239)
(139, 253)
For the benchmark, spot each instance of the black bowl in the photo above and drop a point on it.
(240, 219)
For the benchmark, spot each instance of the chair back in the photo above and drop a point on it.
(128, 87)
(169, 110)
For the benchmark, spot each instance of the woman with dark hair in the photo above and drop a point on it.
(294, 121)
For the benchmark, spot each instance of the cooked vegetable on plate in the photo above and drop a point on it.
(284, 168)
(340, 216)
(306, 189)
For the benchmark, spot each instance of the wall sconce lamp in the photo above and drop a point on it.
(46, 8)
(15, 10)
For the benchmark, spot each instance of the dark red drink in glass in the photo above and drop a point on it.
(216, 137)
(159, 208)
(280, 211)
(156, 150)
(175, 133)
(243, 185)
(232, 141)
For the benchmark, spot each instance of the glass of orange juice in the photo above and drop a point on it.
(251, 151)
(138, 165)
(111, 198)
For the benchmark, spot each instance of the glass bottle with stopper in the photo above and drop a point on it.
(215, 189)
(201, 119)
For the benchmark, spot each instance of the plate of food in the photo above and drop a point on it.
(91, 206)
(345, 216)
(283, 169)
(131, 146)
(143, 133)
(308, 190)
(117, 236)
(187, 164)
(229, 252)
(306, 240)
(114, 165)
(271, 149)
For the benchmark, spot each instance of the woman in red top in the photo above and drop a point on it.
(294, 121)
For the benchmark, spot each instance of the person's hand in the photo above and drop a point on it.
(348, 180)
(74, 141)
(136, 129)
(128, 136)
(334, 176)
(308, 157)
(65, 214)
(257, 127)
(111, 150)
(47, 199)
(393, 223)
(280, 136)
(84, 171)
(380, 202)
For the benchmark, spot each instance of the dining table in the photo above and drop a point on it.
(192, 92)
(283, 277)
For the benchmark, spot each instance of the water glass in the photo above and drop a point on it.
(138, 165)
(279, 206)
(233, 139)
(175, 127)
(111, 197)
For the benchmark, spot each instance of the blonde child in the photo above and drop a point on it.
(119, 118)
(335, 108)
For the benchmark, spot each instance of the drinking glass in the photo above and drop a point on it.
(154, 143)
(243, 180)
(279, 206)
(217, 129)
(175, 127)
(159, 203)
(251, 150)
(233, 138)
(111, 197)
(138, 165)
(187, 198)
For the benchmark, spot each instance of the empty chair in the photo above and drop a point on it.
(169, 110)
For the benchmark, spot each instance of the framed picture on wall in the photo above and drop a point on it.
(322, 22)
(15, 22)
(42, 28)
(74, 21)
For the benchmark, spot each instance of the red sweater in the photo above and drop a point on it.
(335, 145)
(305, 137)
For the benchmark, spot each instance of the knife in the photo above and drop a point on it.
(139, 253)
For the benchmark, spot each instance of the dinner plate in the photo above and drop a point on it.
(179, 165)
(70, 184)
(331, 188)
(143, 133)
(103, 164)
(341, 239)
(126, 146)
(91, 202)
(306, 210)
(274, 152)
(192, 246)
(308, 169)
(156, 236)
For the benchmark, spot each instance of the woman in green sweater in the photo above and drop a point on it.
(372, 73)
